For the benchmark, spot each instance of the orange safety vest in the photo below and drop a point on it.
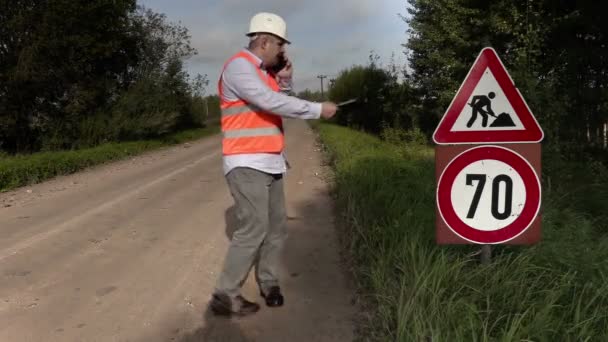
(247, 128)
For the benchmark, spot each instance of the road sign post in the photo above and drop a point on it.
(488, 167)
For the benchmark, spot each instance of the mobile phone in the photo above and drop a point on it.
(280, 65)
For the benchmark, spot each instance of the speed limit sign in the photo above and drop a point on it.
(488, 194)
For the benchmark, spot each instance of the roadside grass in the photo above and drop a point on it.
(556, 290)
(21, 170)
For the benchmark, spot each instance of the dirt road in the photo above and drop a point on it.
(130, 251)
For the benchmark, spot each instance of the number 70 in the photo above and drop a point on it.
(481, 182)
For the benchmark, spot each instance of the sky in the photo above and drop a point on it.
(327, 36)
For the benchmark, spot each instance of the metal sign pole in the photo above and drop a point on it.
(486, 254)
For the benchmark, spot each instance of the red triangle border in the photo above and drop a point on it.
(488, 58)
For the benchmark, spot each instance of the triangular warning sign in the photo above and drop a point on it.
(487, 108)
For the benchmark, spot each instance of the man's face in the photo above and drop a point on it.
(273, 48)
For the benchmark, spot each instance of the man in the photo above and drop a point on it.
(478, 103)
(253, 105)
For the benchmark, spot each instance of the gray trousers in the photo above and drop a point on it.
(261, 232)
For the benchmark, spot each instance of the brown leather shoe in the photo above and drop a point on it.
(273, 297)
(222, 305)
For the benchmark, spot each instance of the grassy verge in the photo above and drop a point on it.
(555, 290)
(29, 169)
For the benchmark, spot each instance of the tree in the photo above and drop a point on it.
(59, 61)
(555, 50)
(77, 73)
(381, 99)
(159, 42)
(310, 95)
(160, 97)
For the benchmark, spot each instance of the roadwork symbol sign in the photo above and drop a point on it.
(487, 108)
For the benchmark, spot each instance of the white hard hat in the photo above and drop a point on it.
(268, 23)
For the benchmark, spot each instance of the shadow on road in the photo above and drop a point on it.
(216, 329)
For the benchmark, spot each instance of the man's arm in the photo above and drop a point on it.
(241, 80)
(489, 109)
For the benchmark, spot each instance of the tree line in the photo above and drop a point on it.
(77, 73)
(556, 52)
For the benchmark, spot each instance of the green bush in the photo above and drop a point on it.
(381, 100)
(29, 169)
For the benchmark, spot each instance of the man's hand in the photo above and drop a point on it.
(328, 109)
(287, 71)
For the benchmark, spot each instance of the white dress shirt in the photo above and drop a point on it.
(241, 81)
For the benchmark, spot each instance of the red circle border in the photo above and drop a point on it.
(507, 156)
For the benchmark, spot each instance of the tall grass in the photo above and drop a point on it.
(556, 290)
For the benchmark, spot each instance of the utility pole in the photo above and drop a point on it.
(321, 77)
(206, 121)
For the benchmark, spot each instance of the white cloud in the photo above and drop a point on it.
(327, 36)
(214, 46)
